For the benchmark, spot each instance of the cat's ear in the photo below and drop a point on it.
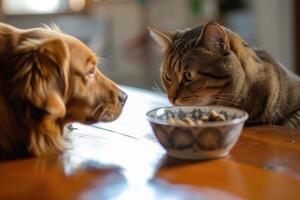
(164, 39)
(213, 37)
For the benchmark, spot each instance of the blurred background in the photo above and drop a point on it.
(116, 29)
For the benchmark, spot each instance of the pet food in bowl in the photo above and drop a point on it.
(197, 132)
(210, 117)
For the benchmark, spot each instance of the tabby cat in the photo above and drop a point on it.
(210, 64)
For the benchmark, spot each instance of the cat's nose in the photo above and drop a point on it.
(173, 93)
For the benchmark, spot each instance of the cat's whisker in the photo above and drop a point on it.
(160, 88)
(236, 99)
(215, 99)
(266, 87)
(230, 102)
(158, 91)
(230, 95)
(227, 98)
(226, 102)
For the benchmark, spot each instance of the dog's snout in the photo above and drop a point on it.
(122, 97)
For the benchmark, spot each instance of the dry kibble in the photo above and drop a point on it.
(210, 117)
(215, 116)
(199, 122)
(220, 118)
(181, 122)
(205, 118)
(188, 121)
(213, 113)
(171, 121)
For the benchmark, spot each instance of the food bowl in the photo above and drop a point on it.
(197, 141)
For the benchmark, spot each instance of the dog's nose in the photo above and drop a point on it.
(122, 97)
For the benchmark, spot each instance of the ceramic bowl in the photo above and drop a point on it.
(206, 141)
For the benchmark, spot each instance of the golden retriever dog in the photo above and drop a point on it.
(49, 79)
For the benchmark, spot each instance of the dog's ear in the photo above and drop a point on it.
(39, 74)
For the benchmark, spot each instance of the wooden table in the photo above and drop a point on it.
(122, 160)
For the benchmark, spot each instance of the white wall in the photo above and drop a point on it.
(275, 30)
(124, 19)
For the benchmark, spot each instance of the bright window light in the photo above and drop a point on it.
(43, 6)
(21, 7)
(77, 5)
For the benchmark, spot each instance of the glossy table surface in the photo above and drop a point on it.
(122, 160)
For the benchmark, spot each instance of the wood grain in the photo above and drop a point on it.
(123, 161)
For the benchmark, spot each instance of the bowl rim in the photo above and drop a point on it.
(206, 124)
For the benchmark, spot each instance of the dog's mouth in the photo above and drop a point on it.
(104, 113)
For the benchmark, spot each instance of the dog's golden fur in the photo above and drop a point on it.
(48, 79)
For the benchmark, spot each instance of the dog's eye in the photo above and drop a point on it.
(91, 73)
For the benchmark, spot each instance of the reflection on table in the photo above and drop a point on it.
(122, 160)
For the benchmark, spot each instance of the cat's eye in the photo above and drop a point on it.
(189, 76)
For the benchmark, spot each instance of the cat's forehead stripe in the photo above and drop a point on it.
(186, 38)
(182, 42)
(173, 64)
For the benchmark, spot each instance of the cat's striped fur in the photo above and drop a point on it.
(210, 64)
